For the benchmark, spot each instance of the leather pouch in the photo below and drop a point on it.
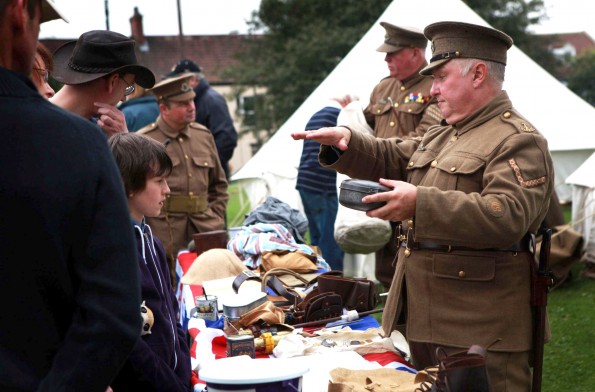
(314, 307)
(356, 293)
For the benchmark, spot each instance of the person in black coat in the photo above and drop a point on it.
(68, 280)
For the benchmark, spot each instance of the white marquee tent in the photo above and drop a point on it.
(583, 204)
(566, 120)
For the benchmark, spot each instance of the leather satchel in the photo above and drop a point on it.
(459, 372)
(357, 293)
(315, 307)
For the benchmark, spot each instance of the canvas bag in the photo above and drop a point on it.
(355, 232)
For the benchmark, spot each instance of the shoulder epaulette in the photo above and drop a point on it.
(147, 128)
(518, 122)
(198, 126)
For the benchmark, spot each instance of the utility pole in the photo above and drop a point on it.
(106, 6)
(181, 32)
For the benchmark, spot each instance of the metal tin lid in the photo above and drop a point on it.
(363, 186)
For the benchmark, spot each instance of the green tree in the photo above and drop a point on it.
(302, 43)
(515, 17)
(581, 79)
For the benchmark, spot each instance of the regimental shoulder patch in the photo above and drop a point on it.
(495, 207)
(522, 181)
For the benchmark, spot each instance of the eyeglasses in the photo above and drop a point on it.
(45, 75)
(129, 87)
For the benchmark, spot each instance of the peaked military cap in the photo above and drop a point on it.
(401, 37)
(464, 40)
(174, 89)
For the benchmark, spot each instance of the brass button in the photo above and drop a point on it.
(410, 223)
(506, 114)
(407, 253)
(402, 88)
(186, 157)
(452, 169)
(392, 124)
(189, 174)
(180, 140)
(190, 193)
(378, 111)
(411, 163)
(396, 104)
(462, 274)
(454, 138)
(434, 164)
(409, 110)
(206, 163)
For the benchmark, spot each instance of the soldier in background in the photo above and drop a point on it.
(198, 199)
(211, 111)
(400, 106)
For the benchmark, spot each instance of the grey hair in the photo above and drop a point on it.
(495, 70)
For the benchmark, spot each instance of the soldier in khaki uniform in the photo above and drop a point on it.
(198, 199)
(401, 106)
(469, 194)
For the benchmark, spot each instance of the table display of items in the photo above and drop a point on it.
(325, 298)
(320, 298)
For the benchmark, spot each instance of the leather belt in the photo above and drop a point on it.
(525, 245)
(189, 204)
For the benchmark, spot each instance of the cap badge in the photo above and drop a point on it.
(184, 87)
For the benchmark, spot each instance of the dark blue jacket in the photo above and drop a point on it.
(140, 112)
(213, 113)
(160, 360)
(68, 281)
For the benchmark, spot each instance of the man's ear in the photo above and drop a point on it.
(111, 82)
(480, 73)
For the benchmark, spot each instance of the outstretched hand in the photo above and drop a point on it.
(334, 136)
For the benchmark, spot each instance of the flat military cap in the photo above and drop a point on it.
(174, 89)
(401, 37)
(464, 40)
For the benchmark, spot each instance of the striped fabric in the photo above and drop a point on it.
(311, 176)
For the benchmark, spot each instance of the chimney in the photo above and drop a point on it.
(136, 26)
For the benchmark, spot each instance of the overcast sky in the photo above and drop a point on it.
(225, 16)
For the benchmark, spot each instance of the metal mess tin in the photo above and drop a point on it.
(352, 191)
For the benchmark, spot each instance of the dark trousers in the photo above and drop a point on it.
(321, 211)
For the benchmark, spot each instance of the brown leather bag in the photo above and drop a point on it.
(357, 293)
(459, 372)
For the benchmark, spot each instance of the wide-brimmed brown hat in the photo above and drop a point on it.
(49, 11)
(397, 38)
(98, 53)
(452, 40)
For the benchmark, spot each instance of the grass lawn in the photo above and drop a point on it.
(571, 350)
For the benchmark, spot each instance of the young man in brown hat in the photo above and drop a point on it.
(99, 70)
(70, 293)
(400, 106)
(477, 187)
(198, 199)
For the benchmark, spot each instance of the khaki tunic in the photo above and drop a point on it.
(483, 183)
(400, 109)
(196, 172)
